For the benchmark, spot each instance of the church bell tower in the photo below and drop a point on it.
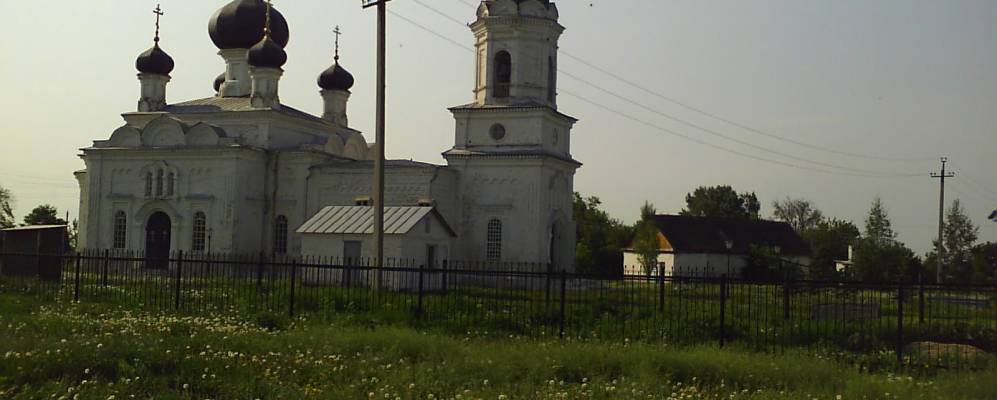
(512, 145)
(516, 52)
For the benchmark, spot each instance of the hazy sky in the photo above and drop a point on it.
(910, 79)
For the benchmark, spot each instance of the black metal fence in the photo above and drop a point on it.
(910, 324)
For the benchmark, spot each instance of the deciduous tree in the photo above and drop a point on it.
(801, 214)
(6, 208)
(829, 240)
(600, 238)
(646, 239)
(721, 201)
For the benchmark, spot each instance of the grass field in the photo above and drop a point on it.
(103, 351)
(683, 312)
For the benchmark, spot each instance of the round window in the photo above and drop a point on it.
(497, 132)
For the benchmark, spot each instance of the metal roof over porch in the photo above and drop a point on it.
(358, 220)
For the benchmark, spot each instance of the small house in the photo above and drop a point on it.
(34, 251)
(342, 237)
(715, 246)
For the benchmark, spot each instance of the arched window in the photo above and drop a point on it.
(148, 184)
(120, 229)
(493, 248)
(170, 182)
(197, 242)
(159, 182)
(551, 80)
(503, 74)
(280, 235)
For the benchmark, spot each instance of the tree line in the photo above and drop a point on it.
(877, 254)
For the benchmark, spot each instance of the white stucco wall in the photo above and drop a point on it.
(689, 264)
(407, 251)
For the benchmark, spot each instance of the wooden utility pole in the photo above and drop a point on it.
(941, 219)
(378, 188)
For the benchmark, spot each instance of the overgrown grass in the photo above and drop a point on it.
(93, 351)
(685, 314)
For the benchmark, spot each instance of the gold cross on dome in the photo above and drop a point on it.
(159, 13)
(266, 28)
(337, 32)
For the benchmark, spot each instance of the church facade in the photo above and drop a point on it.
(240, 172)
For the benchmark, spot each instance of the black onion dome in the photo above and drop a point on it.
(267, 54)
(335, 78)
(218, 82)
(546, 3)
(154, 61)
(239, 25)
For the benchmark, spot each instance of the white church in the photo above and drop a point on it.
(240, 172)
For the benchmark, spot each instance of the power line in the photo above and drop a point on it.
(856, 173)
(728, 137)
(705, 143)
(977, 194)
(702, 111)
(976, 185)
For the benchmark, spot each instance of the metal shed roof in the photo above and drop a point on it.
(358, 220)
(35, 228)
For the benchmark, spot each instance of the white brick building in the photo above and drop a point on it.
(239, 172)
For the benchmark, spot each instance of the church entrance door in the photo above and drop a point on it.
(157, 241)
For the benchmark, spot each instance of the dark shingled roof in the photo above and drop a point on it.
(709, 235)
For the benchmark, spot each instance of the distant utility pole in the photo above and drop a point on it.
(378, 194)
(941, 219)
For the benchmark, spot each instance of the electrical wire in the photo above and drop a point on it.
(857, 173)
(702, 111)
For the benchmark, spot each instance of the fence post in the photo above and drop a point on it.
(76, 279)
(421, 291)
(661, 288)
(294, 282)
(104, 266)
(920, 298)
(179, 278)
(259, 271)
(445, 283)
(723, 310)
(900, 322)
(38, 254)
(785, 296)
(561, 321)
(550, 270)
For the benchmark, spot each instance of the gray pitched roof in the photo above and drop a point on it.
(369, 164)
(359, 220)
(232, 104)
(34, 228)
(528, 105)
(510, 152)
